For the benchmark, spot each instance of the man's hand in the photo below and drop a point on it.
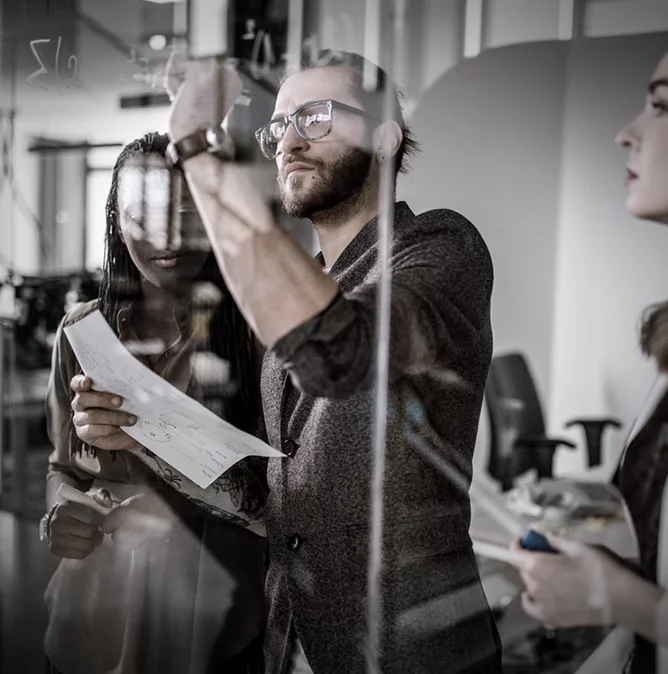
(97, 419)
(203, 92)
(74, 531)
(577, 587)
(139, 519)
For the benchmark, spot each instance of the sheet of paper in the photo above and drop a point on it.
(175, 427)
(68, 493)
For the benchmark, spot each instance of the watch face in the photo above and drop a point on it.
(220, 144)
(213, 138)
(172, 154)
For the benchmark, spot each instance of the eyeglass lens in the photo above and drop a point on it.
(313, 123)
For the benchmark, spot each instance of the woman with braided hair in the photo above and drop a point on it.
(172, 580)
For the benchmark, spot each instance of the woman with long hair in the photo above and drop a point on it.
(172, 581)
(586, 585)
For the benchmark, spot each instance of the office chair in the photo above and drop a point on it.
(517, 426)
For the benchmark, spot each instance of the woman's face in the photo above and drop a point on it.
(646, 139)
(159, 223)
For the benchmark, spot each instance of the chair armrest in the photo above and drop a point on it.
(542, 451)
(538, 441)
(599, 422)
(593, 429)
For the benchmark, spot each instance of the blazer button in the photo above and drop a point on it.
(294, 542)
(290, 447)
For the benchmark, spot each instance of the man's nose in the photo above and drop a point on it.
(292, 142)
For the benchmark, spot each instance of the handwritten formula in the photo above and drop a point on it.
(44, 75)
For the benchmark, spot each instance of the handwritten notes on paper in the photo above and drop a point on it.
(172, 425)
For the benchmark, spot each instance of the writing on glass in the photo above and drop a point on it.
(44, 74)
(263, 56)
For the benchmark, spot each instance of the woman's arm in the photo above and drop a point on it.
(59, 422)
(74, 529)
(638, 604)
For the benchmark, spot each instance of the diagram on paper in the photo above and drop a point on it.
(178, 429)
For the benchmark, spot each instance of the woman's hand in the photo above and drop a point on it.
(577, 587)
(74, 529)
(97, 419)
(139, 519)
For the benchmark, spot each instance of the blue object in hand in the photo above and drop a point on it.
(536, 542)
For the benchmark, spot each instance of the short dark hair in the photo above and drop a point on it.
(372, 99)
(654, 334)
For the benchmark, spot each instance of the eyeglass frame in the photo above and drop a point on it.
(291, 119)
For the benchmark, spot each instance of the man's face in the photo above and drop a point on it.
(646, 139)
(316, 176)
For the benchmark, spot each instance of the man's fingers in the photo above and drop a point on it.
(175, 71)
(96, 399)
(101, 417)
(80, 383)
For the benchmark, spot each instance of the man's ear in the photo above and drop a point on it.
(387, 140)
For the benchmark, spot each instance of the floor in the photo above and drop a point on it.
(25, 569)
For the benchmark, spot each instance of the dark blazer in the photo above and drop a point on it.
(319, 408)
(642, 477)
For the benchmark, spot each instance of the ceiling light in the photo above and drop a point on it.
(157, 42)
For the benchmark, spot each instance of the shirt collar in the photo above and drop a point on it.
(366, 238)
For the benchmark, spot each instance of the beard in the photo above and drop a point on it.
(338, 185)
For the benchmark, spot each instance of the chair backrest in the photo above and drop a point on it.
(514, 410)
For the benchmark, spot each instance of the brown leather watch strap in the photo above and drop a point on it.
(190, 146)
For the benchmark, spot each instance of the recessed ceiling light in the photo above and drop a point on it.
(157, 42)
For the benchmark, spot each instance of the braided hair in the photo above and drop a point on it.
(229, 336)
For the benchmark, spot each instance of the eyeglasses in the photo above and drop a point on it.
(312, 121)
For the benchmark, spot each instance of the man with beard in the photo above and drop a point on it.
(317, 319)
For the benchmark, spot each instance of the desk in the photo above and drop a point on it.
(492, 522)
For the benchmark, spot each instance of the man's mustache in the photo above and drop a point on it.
(292, 159)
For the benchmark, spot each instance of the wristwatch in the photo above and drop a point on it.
(213, 140)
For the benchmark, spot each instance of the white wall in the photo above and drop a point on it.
(624, 17)
(609, 266)
(441, 39)
(510, 22)
(521, 140)
(491, 135)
